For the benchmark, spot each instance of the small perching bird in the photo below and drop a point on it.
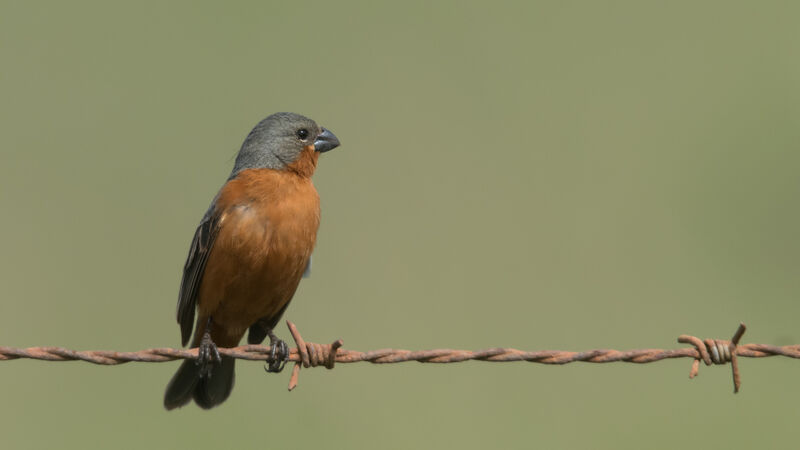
(249, 254)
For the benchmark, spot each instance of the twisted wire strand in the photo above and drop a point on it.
(306, 354)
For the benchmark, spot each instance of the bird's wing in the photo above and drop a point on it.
(193, 270)
(307, 272)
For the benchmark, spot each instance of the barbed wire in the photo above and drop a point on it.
(308, 354)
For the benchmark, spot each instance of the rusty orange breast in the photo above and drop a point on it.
(269, 221)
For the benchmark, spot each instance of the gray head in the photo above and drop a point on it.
(279, 140)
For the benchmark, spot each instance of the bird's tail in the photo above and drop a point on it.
(208, 391)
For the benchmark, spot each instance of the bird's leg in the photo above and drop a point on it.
(207, 352)
(278, 353)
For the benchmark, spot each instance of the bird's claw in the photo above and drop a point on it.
(207, 355)
(278, 355)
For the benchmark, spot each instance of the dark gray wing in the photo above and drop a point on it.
(193, 271)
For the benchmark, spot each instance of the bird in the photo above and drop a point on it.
(248, 255)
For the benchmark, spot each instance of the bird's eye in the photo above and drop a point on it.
(302, 133)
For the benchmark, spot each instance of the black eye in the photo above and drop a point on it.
(302, 133)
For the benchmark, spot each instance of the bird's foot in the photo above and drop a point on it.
(207, 355)
(278, 354)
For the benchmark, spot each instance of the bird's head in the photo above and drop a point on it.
(284, 141)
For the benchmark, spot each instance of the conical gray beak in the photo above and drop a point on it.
(326, 141)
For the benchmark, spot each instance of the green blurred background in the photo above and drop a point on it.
(540, 175)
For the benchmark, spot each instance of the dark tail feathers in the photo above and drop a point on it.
(207, 392)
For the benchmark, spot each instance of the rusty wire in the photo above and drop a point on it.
(306, 354)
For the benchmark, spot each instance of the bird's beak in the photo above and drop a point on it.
(325, 141)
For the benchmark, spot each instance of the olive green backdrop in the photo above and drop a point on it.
(558, 175)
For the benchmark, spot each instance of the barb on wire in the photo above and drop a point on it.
(306, 354)
(716, 351)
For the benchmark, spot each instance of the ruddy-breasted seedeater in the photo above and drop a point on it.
(249, 254)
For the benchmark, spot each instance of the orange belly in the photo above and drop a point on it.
(269, 223)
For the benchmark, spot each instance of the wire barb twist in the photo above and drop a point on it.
(311, 355)
(716, 351)
(306, 354)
